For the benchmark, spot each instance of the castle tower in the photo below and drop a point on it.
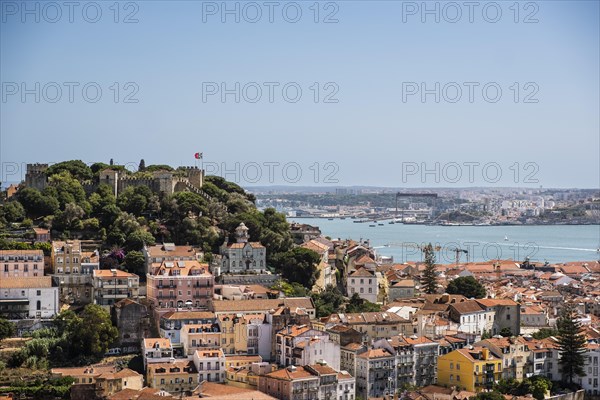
(110, 178)
(195, 176)
(241, 233)
(35, 177)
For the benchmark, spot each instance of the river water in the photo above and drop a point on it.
(552, 243)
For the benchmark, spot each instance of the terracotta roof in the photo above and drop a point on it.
(352, 346)
(375, 353)
(22, 253)
(294, 330)
(33, 282)
(254, 245)
(183, 268)
(466, 307)
(183, 315)
(162, 342)
(262, 304)
(287, 375)
(471, 354)
(169, 250)
(181, 364)
(90, 370)
(315, 246)
(405, 283)
(212, 353)
(116, 273)
(496, 302)
(360, 272)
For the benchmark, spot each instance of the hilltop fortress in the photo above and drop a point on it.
(168, 182)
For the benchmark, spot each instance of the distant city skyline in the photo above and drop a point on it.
(359, 97)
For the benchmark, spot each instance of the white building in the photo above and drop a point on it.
(210, 364)
(364, 282)
(30, 297)
(259, 336)
(156, 350)
(242, 256)
(472, 317)
(590, 382)
(302, 345)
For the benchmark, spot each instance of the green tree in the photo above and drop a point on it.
(142, 166)
(544, 333)
(505, 332)
(70, 218)
(90, 334)
(136, 240)
(492, 395)
(358, 304)
(37, 204)
(136, 263)
(7, 329)
(67, 189)
(299, 265)
(429, 278)
(76, 168)
(467, 286)
(571, 344)
(13, 211)
(328, 301)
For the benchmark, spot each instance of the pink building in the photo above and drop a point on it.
(180, 284)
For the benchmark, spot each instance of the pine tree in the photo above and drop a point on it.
(111, 162)
(572, 344)
(429, 274)
(142, 166)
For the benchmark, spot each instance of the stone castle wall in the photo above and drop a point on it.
(162, 182)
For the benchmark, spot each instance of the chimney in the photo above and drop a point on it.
(485, 353)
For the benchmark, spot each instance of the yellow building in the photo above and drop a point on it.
(470, 368)
(173, 377)
(234, 333)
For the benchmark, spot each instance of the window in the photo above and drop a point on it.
(457, 366)
(507, 317)
(457, 378)
(39, 292)
(451, 365)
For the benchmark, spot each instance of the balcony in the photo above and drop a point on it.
(166, 296)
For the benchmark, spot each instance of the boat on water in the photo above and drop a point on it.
(380, 224)
(506, 238)
(342, 217)
(372, 225)
(330, 219)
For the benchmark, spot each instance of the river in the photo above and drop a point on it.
(541, 243)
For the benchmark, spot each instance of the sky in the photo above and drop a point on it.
(378, 93)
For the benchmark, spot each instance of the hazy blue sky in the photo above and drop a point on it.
(371, 61)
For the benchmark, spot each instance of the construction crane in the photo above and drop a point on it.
(458, 251)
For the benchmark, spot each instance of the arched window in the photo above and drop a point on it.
(38, 305)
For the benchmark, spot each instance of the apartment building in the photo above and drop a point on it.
(180, 284)
(365, 283)
(302, 345)
(315, 382)
(375, 373)
(72, 271)
(111, 286)
(200, 336)
(21, 263)
(471, 368)
(210, 364)
(28, 297)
